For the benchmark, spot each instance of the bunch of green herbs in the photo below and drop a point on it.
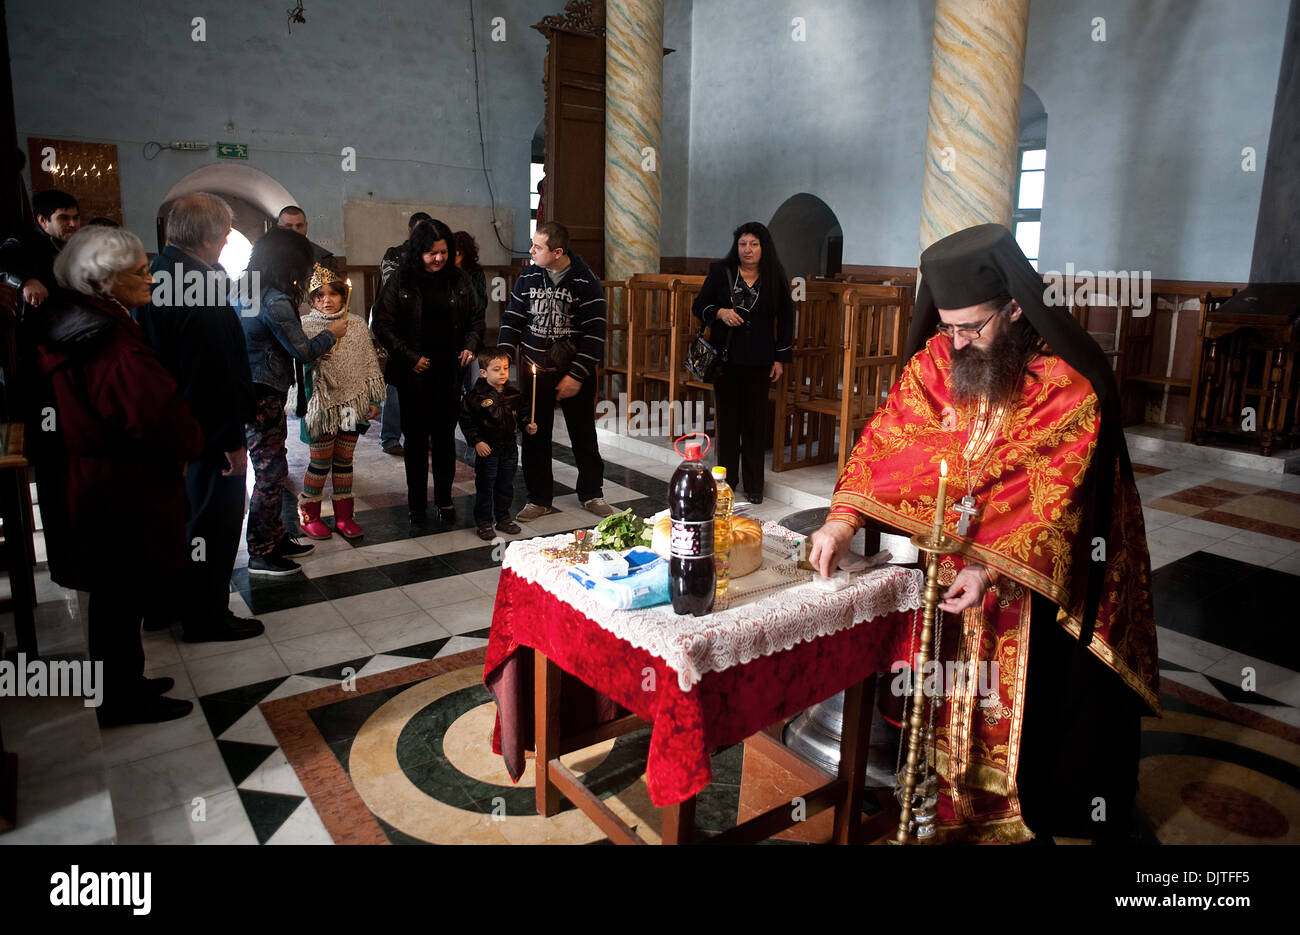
(622, 531)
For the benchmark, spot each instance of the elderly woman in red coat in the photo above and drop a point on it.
(122, 435)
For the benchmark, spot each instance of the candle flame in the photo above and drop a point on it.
(534, 366)
(943, 468)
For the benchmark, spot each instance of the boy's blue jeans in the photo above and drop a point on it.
(494, 484)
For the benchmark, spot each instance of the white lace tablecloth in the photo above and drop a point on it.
(695, 646)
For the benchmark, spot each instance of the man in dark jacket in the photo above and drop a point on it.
(27, 264)
(294, 218)
(556, 319)
(27, 259)
(202, 346)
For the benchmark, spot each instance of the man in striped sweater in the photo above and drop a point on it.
(556, 320)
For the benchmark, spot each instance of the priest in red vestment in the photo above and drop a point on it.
(1049, 601)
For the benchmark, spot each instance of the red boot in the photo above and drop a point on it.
(343, 519)
(309, 520)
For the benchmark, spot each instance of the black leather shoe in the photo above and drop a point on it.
(418, 517)
(756, 500)
(159, 686)
(144, 711)
(447, 514)
(223, 630)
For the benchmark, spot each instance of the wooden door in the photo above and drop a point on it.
(575, 141)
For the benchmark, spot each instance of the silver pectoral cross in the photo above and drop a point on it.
(966, 507)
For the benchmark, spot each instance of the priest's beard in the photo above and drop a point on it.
(992, 373)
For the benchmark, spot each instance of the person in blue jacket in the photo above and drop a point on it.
(278, 271)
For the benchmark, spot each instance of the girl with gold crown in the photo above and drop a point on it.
(344, 389)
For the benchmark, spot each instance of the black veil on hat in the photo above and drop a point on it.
(981, 263)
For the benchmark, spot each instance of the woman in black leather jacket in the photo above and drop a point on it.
(428, 320)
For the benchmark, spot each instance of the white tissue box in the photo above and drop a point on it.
(606, 564)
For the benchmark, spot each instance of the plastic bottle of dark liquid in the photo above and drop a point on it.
(692, 496)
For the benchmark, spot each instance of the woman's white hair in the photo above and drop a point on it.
(94, 257)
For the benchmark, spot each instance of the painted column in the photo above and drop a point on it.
(977, 68)
(634, 84)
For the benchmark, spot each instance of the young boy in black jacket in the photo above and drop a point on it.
(490, 416)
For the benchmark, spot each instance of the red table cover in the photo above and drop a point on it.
(724, 708)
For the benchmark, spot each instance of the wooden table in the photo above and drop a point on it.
(723, 708)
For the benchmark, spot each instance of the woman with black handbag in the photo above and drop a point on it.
(428, 321)
(746, 301)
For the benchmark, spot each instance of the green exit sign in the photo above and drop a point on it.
(232, 150)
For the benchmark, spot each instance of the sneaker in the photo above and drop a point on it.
(598, 506)
(395, 450)
(272, 565)
(486, 534)
(292, 548)
(533, 511)
(506, 526)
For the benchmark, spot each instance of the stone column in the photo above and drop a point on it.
(976, 72)
(634, 86)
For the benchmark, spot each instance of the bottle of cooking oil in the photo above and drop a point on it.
(722, 536)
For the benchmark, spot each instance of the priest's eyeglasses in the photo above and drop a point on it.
(970, 334)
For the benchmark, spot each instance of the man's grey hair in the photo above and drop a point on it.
(94, 257)
(197, 219)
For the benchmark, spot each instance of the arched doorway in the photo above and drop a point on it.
(254, 197)
(808, 236)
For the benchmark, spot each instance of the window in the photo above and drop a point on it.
(235, 254)
(1027, 215)
(536, 172)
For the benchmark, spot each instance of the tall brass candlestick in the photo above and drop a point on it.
(934, 546)
(532, 412)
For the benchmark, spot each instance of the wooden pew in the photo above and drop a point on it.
(685, 389)
(649, 303)
(613, 378)
(803, 424)
(847, 354)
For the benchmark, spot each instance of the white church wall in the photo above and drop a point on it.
(827, 98)
(392, 80)
(1145, 133)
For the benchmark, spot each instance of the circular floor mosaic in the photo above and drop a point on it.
(422, 765)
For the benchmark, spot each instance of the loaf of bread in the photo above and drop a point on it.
(746, 544)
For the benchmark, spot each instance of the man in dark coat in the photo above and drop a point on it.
(197, 336)
(27, 259)
(294, 218)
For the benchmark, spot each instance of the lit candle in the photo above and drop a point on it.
(942, 501)
(532, 412)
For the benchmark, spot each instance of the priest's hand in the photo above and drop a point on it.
(829, 545)
(966, 591)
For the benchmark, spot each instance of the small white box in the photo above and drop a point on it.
(606, 564)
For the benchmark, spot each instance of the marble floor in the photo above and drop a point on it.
(374, 656)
